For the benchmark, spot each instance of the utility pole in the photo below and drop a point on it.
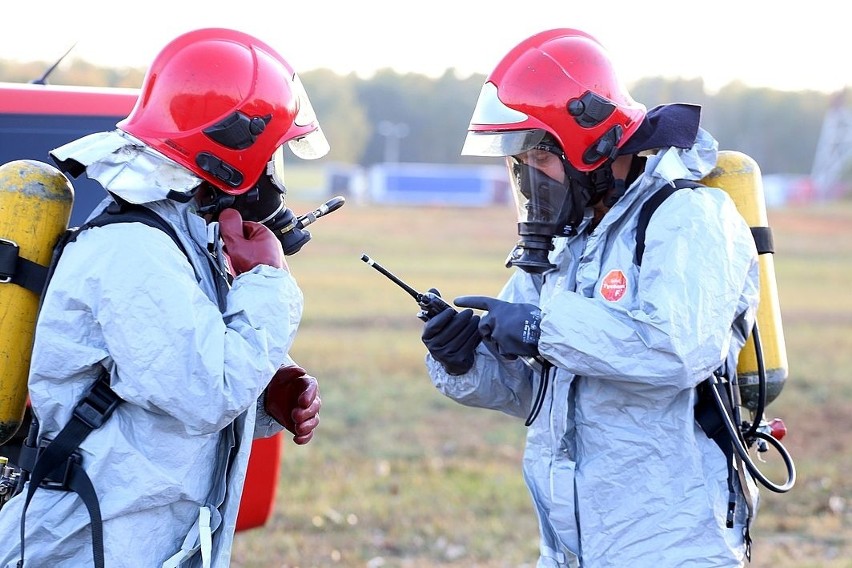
(393, 132)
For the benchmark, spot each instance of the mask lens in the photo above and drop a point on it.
(538, 197)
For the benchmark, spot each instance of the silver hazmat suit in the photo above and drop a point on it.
(192, 378)
(619, 471)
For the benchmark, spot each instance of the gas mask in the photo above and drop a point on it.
(264, 203)
(548, 208)
(544, 208)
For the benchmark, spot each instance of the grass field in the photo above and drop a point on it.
(399, 476)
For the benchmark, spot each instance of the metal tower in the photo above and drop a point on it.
(834, 148)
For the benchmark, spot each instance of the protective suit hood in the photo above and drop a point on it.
(126, 167)
(665, 125)
(671, 163)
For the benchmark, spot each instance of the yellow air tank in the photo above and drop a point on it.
(35, 206)
(739, 175)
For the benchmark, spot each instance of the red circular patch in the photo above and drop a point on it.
(614, 285)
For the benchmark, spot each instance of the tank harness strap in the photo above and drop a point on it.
(125, 212)
(58, 464)
(16, 269)
(763, 240)
(648, 209)
(708, 418)
(749, 497)
(706, 412)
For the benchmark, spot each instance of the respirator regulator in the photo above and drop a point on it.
(264, 203)
(549, 208)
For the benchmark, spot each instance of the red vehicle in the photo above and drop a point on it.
(35, 119)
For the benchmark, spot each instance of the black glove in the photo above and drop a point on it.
(451, 337)
(513, 328)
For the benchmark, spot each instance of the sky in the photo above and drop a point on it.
(780, 45)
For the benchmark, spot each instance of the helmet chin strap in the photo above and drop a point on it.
(596, 185)
(587, 189)
(637, 165)
(620, 188)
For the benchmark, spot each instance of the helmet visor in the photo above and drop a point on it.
(506, 143)
(311, 146)
(308, 147)
(314, 144)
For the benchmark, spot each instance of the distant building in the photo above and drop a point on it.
(392, 183)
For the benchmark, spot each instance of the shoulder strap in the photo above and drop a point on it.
(648, 209)
(16, 269)
(128, 213)
(706, 413)
(122, 212)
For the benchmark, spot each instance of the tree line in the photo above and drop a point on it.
(424, 119)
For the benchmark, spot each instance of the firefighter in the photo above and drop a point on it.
(176, 335)
(602, 356)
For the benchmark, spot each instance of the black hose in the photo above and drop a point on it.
(751, 432)
(542, 390)
(739, 447)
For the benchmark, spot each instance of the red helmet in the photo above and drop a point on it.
(220, 103)
(559, 82)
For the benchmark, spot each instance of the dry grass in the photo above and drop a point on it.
(399, 476)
